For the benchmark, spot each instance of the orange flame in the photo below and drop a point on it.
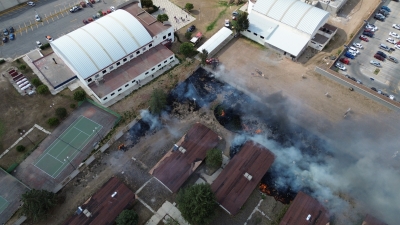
(258, 131)
(222, 113)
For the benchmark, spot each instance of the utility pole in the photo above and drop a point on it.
(67, 160)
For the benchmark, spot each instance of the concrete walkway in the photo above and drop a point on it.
(173, 11)
(167, 210)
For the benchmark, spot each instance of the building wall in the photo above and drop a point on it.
(136, 81)
(316, 45)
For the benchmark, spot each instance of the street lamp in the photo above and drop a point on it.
(97, 132)
(67, 160)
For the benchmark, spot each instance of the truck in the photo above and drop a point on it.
(196, 39)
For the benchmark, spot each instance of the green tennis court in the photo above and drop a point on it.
(67, 146)
(3, 204)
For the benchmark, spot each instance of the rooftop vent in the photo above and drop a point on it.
(248, 176)
(175, 147)
(87, 213)
(114, 194)
(181, 149)
(308, 217)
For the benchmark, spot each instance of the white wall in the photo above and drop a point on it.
(167, 34)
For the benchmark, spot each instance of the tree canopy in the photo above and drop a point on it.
(38, 204)
(203, 57)
(214, 158)
(197, 204)
(162, 17)
(61, 113)
(147, 3)
(189, 6)
(127, 217)
(53, 121)
(242, 22)
(158, 100)
(186, 49)
(79, 95)
(42, 89)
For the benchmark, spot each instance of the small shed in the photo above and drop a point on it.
(217, 41)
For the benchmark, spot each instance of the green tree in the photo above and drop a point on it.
(214, 158)
(61, 113)
(242, 22)
(189, 6)
(147, 3)
(186, 49)
(188, 35)
(127, 217)
(22, 67)
(197, 204)
(79, 95)
(162, 17)
(36, 82)
(38, 204)
(42, 89)
(203, 57)
(20, 148)
(53, 121)
(158, 100)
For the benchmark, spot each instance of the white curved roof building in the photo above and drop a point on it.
(287, 25)
(97, 45)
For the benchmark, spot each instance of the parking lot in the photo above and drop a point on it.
(387, 77)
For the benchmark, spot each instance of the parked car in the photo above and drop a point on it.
(48, 38)
(85, 22)
(368, 34)
(379, 17)
(358, 45)
(75, 9)
(94, 16)
(396, 26)
(5, 39)
(374, 89)
(12, 36)
(379, 57)
(392, 59)
(383, 12)
(227, 23)
(5, 32)
(369, 31)
(92, 1)
(39, 44)
(345, 61)
(371, 27)
(83, 4)
(359, 82)
(354, 49)
(112, 8)
(384, 7)
(191, 28)
(394, 34)
(375, 63)
(353, 79)
(364, 38)
(90, 19)
(384, 47)
(354, 53)
(37, 18)
(391, 97)
(31, 3)
(391, 41)
(381, 54)
(340, 66)
(349, 55)
(11, 29)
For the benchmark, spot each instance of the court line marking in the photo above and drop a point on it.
(68, 146)
(44, 171)
(82, 131)
(92, 121)
(55, 158)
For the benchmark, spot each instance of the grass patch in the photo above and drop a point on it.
(258, 45)
(213, 23)
(376, 71)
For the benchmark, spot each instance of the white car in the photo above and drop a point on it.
(340, 66)
(48, 38)
(395, 35)
(352, 52)
(391, 41)
(391, 97)
(371, 27)
(358, 45)
(39, 44)
(396, 26)
(227, 23)
(112, 8)
(354, 49)
(37, 18)
(396, 46)
(375, 63)
(31, 3)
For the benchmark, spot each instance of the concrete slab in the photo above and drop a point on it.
(35, 55)
(177, 17)
(210, 179)
(200, 181)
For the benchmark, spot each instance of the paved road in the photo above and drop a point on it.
(56, 21)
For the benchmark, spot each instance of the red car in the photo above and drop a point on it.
(370, 31)
(108, 11)
(345, 61)
(85, 22)
(90, 20)
(364, 38)
(92, 1)
(104, 13)
(379, 57)
(83, 4)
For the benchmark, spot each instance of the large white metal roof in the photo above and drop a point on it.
(215, 40)
(95, 46)
(294, 13)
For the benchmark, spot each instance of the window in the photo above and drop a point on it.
(131, 56)
(124, 60)
(120, 89)
(112, 94)
(153, 69)
(165, 61)
(133, 81)
(111, 67)
(159, 65)
(89, 80)
(144, 49)
(249, 31)
(138, 52)
(169, 34)
(150, 45)
(313, 42)
(320, 45)
(164, 37)
(126, 85)
(262, 37)
(105, 98)
(118, 63)
(255, 34)
(96, 76)
(146, 73)
(171, 57)
(104, 71)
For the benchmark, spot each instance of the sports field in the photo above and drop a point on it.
(67, 146)
(3, 204)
